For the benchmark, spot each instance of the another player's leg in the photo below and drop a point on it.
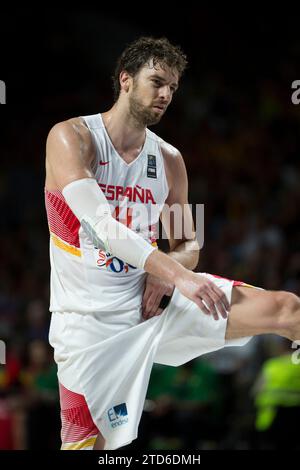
(254, 311)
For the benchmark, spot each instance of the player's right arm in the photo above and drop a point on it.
(69, 155)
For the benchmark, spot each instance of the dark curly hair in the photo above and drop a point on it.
(141, 51)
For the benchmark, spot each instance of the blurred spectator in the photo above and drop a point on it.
(40, 388)
(277, 401)
(184, 406)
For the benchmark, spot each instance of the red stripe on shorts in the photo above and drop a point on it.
(76, 419)
(235, 283)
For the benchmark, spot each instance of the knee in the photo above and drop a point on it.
(288, 313)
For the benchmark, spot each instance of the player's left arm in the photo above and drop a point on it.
(176, 216)
(177, 221)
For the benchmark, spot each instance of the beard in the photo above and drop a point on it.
(143, 115)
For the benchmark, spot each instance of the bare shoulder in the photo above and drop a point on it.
(69, 152)
(71, 131)
(169, 151)
(174, 163)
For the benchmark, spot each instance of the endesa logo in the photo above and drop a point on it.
(118, 415)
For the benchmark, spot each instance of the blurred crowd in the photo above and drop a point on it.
(240, 141)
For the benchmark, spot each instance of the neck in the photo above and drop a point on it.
(123, 130)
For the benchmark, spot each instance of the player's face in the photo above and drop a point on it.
(152, 92)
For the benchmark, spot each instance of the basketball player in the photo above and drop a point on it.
(107, 276)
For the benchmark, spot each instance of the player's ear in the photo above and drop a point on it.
(125, 81)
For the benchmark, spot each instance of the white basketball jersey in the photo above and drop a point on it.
(88, 279)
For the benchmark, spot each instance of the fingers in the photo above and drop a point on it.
(222, 295)
(207, 298)
(214, 301)
(151, 307)
(154, 291)
(157, 313)
(219, 302)
(151, 313)
(201, 305)
(146, 296)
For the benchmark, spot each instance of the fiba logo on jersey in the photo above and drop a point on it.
(2, 92)
(296, 95)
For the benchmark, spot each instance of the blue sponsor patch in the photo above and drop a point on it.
(118, 415)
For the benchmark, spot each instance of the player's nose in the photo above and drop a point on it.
(165, 94)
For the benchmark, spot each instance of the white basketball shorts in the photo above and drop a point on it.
(105, 359)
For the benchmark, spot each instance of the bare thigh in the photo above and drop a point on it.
(253, 312)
